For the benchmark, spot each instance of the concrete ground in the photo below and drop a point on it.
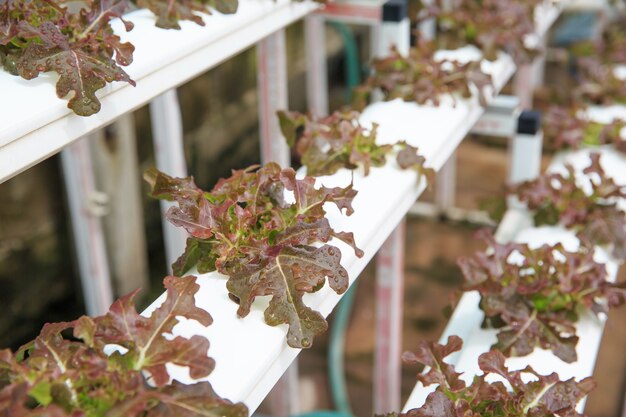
(432, 281)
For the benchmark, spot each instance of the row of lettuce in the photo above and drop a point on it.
(269, 245)
(245, 229)
(76, 40)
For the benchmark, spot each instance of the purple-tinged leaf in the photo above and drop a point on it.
(143, 336)
(170, 12)
(440, 372)
(542, 397)
(196, 400)
(557, 198)
(437, 404)
(330, 143)
(79, 73)
(535, 302)
(421, 78)
(55, 376)
(294, 271)
(197, 253)
(246, 229)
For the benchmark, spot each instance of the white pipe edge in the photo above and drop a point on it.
(467, 317)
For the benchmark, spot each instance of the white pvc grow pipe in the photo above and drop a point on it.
(37, 124)
(517, 226)
(251, 356)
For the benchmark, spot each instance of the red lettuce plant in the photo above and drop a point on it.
(421, 78)
(555, 198)
(337, 141)
(610, 48)
(169, 13)
(65, 372)
(565, 128)
(39, 36)
(246, 229)
(503, 26)
(598, 83)
(77, 42)
(544, 396)
(537, 301)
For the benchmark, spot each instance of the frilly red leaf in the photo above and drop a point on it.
(59, 376)
(245, 228)
(536, 302)
(545, 396)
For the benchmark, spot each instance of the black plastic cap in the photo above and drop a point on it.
(529, 122)
(394, 10)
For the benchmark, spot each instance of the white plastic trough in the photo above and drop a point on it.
(516, 226)
(250, 355)
(36, 124)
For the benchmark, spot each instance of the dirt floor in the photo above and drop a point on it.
(432, 280)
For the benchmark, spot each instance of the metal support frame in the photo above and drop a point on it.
(528, 78)
(167, 135)
(272, 92)
(284, 398)
(116, 171)
(316, 76)
(388, 23)
(389, 312)
(86, 206)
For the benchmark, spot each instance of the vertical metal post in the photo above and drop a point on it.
(525, 152)
(316, 76)
(523, 85)
(389, 301)
(272, 93)
(445, 189)
(117, 174)
(529, 77)
(86, 206)
(167, 135)
(394, 30)
(285, 396)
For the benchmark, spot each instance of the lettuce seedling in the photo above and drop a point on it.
(544, 396)
(421, 78)
(566, 128)
(245, 228)
(504, 25)
(76, 41)
(65, 371)
(327, 144)
(537, 301)
(555, 198)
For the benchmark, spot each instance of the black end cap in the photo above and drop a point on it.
(394, 10)
(529, 122)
